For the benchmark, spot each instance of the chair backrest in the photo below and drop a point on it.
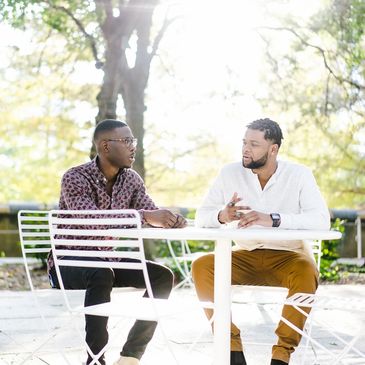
(34, 237)
(96, 238)
(316, 247)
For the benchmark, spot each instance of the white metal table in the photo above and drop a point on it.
(222, 282)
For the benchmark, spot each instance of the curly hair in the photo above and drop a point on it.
(272, 129)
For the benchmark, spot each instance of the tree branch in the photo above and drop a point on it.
(159, 170)
(275, 66)
(360, 191)
(156, 42)
(78, 23)
(323, 54)
(326, 100)
(40, 59)
(333, 140)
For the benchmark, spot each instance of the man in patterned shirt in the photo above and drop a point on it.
(107, 182)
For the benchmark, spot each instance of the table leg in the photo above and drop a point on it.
(222, 301)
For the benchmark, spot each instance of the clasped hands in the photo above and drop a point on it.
(246, 216)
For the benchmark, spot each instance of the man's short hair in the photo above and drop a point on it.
(272, 129)
(107, 125)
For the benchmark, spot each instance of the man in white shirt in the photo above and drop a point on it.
(266, 192)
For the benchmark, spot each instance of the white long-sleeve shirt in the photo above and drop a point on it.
(291, 191)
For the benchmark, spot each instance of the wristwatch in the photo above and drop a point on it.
(276, 219)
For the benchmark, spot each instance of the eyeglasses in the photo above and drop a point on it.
(128, 141)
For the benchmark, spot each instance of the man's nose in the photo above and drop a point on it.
(245, 148)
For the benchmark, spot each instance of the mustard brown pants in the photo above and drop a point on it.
(263, 267)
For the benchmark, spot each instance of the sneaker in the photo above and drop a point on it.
(238, 358)
(278, 362)
(123, 360)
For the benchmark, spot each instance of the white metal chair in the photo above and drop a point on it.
(35, 240)
(182, 258)
(90, 230)
(34, 237)
(316, 301)
(316, 247)
(268, 296)
(241, 294)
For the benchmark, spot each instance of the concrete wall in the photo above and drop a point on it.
(9, 236)
(348, 244)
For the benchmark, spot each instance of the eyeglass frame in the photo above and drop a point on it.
(128, 141)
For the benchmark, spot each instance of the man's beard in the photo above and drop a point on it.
(253, 165)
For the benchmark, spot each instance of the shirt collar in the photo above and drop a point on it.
(100, 178)
(273, 177)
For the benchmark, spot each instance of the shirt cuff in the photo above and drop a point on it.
(215, 220)
(286, 221)
(141, 214)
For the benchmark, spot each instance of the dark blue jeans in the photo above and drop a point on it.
(99, 283)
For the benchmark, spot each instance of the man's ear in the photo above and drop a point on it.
(274, 149)
(103, 146)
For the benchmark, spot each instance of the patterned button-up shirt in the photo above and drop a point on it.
(84, 187)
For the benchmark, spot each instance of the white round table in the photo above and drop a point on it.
(222, 282)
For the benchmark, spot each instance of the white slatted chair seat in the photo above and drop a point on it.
(326, 302)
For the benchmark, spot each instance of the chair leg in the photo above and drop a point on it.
(348, 348)
(346, 343)
(307, 341)
(183, 269)
(168, 344)
(349, 345)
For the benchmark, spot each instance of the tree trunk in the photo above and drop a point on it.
(119, 78)
(135, 108)
(108, 96)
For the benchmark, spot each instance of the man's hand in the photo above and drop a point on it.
(180, 221)
(164, 218)
(231, 211)
(255, 218)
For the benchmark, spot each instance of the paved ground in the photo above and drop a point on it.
(22, 331)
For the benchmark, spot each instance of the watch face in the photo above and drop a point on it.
(276, 219)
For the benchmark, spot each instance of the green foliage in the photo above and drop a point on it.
(42, 132)
(329, 271)
(178, 173)
(329, 247)
(163, 253)
(195, 246)
(353, 269)
(316, 85)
